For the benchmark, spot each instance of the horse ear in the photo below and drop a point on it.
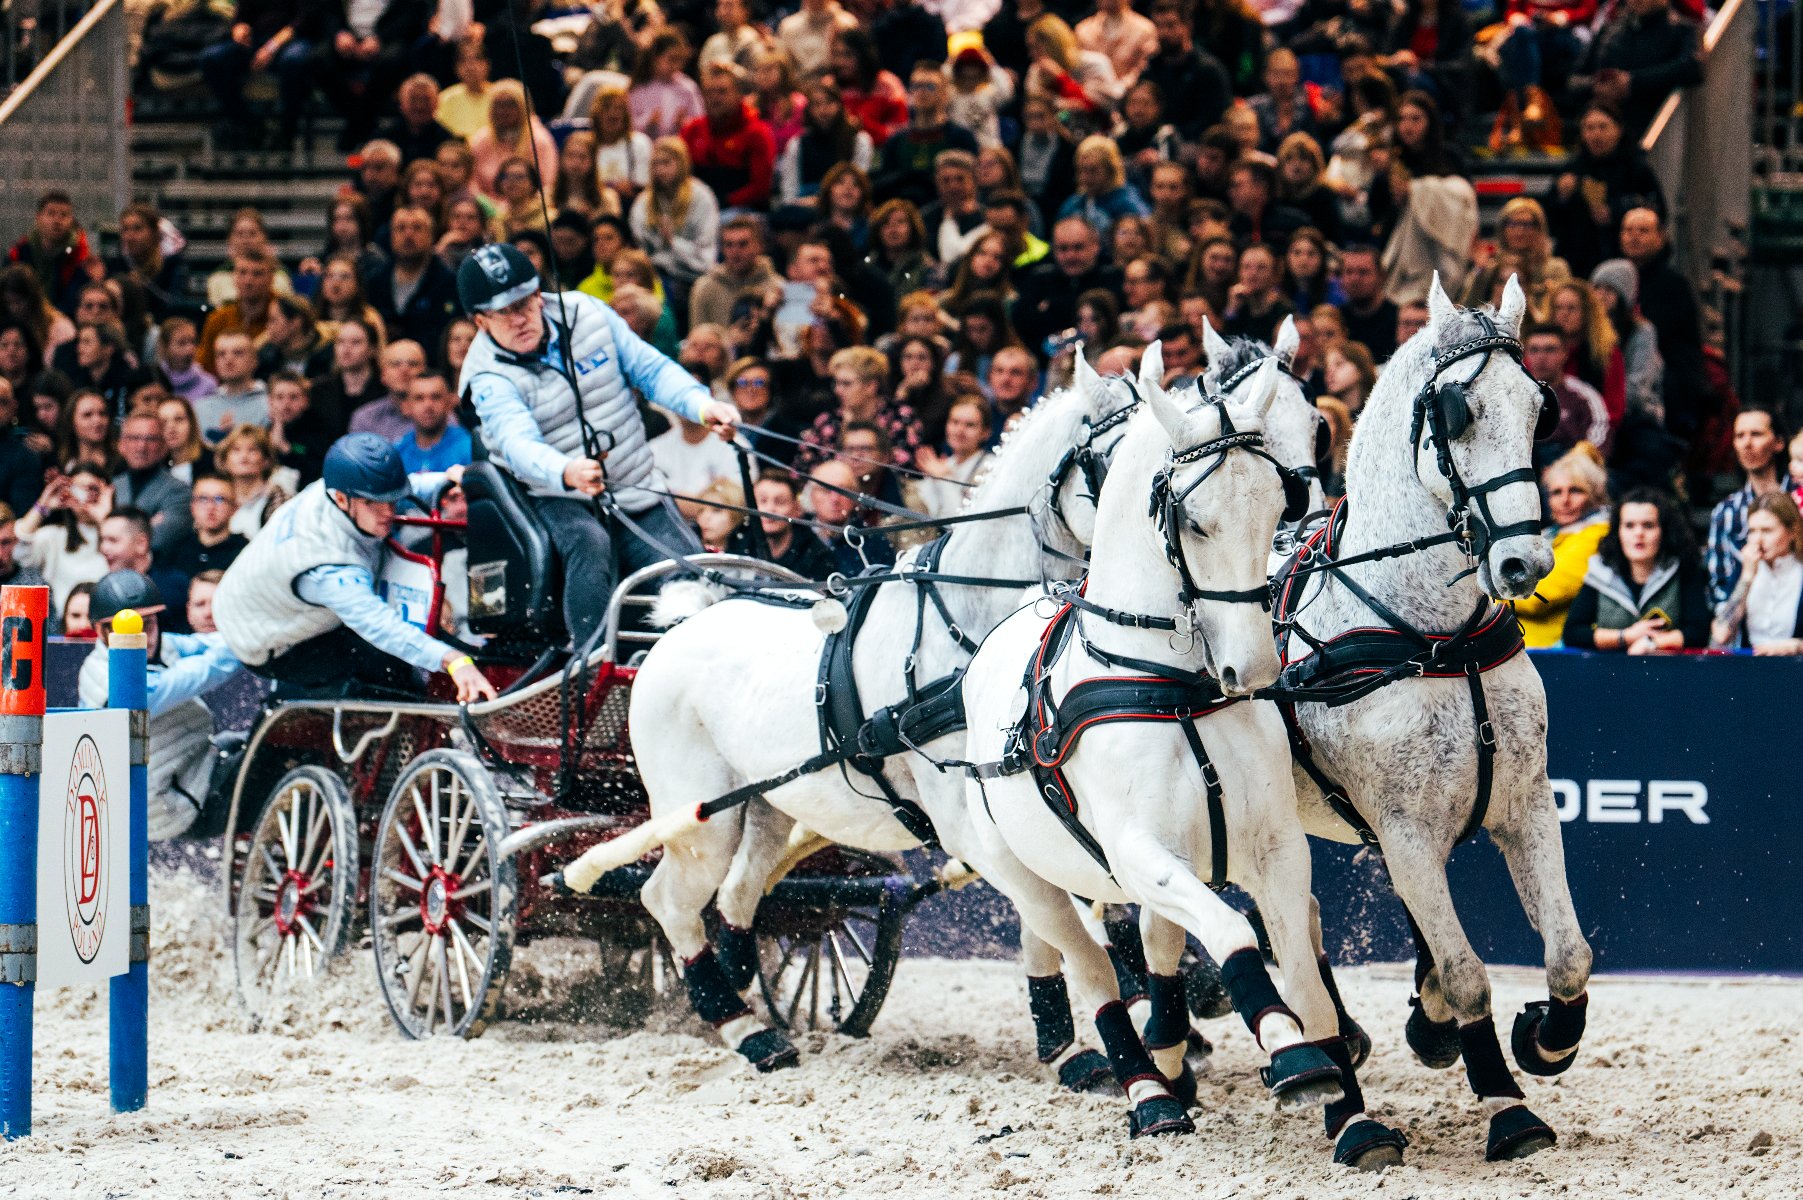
(1151, 369)
(1287, 341)
(1514, 306)
(1170, 414)
(1264, 388)
(1089, 385)
(1215, 346)
(1439, 305)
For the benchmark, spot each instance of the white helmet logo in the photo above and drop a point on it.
(493, 263)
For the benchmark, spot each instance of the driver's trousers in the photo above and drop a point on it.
(597, 554)
(339, 663)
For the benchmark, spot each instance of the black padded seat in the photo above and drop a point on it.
(514, 573)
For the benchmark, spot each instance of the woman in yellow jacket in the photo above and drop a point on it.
(1577, 500)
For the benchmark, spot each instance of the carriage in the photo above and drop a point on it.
(427, 830)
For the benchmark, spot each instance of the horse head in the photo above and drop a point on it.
(1296, 434)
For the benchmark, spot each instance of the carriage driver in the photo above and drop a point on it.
(180, 669)
(299, 605)
(515, 377)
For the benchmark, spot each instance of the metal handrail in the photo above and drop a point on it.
(1712, 38)
(54, 59)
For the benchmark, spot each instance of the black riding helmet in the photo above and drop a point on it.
(494, 276)
(122, 590)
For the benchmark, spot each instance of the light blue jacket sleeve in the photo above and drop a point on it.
(511, 434)
(350, 592)
(193, 665)
(657, 378)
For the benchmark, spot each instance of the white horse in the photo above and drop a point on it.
(1445, 441)
(728, 697)
(1098, 776)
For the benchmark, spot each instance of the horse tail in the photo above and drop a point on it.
(683, 598)
(629, 847)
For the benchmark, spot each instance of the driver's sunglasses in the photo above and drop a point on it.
(519, 308)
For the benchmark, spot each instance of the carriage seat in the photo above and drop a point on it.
(514, 575)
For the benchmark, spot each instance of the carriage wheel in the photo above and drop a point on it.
(298, 888)
(442, 903)
(833, 978)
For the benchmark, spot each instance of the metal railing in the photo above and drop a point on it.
(63, 115)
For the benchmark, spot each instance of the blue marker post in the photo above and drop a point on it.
(23, 613)
(129, 1014)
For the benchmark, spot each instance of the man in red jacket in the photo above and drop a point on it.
(57, 250)
(731, 148)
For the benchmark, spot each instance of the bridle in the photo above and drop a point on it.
(1089, 461)
(1444, 410)
(1310, 473)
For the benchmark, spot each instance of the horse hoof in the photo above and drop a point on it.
(1183, 1088)
(1369, 1146)
(1435, 1043)
(1525, 1042)
(1198, 1052)
(768, 1051)
(1204, 992)
(1302, 1076)
(1158, 1116)
(1088, 1071)
(1516, 1132)
(1358, 1045)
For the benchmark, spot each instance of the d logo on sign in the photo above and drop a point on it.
(86, 833)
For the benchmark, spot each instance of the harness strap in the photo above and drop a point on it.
(1486, 751)
(1217, 809)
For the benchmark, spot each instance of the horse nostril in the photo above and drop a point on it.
(1230, 679)
(1514, 571)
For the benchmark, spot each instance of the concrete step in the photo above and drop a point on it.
(203, 193)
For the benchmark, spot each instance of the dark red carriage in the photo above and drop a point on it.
(424, 828)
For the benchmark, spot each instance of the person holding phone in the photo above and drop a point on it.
(1645, 591)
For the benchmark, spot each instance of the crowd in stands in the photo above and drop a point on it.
(882, 243)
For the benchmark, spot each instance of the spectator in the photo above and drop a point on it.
(572, 249)
(1759, 447)
(282, 36)
(968, 428)
(1252, 196)
(1369, 315)
(56, 250)
(434, 443)
(1668, 301)
(417, 294)
(1048, 160)
(1006, 212)
(1525, 250)
(96, 304)
(1577, 501)
(350, 234)
(459, 336)
(241, 399)
(1617, 288)
(147, 484)
(907, 32)
(292, 342)
(875, 98)
(1256, 305)
(732, 149)
(778, 98)
(511, 132)
(921, 385)
(259, 487)
(1192, 79)
(807, 35)
(520, 204)
(12, 574)
(954, 221)
(1302, 184)
(910, 160)
(693, 460)
(22, 299)
(210, 545)
(415, 127)
(20, 356)
(1644, 591)
(1411, 319)
(898, 247)
(985, 272)
(736, 39)
(1765, 609)
(1427, 208)
(253, 278)
(422, 186)
(859, 377)
(1307, 281)
(845, 202)
(1103, 195)
(59, 537)
(743, 272)
(607, 239)
(979, 90)
(102, 364)
(790, 543)
(354, 379)
(717, 518)
(49, 392)
(983, 329)
(1591, 351)
(1637, 58)
(402, 363)
(1349, 374)
(1013, 384)
(662, 99)
(125, 545)
(21, 466)
(1282, 108)
(1080, 83)
(298, 433)
(161, 271)
(1583, 416)
(86, 433)
(1125, 38)
(1049, 291)
(378, 181)
(622, 153)
(463, 107)
(633, 267)
(175, 367)
(76, 623)
(829, 137)
(1608, 178)
(466, 229)
(181, 435)
(829, 484)
(1234, 32)
(1212, 271)
(200, 601)
(370, 46)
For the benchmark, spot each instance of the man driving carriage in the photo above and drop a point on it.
(300, 606)
(553, 435)
(180, 669)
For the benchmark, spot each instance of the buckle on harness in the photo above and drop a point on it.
(1486, 734)
(820, 695)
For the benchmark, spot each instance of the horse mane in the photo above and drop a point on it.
(1242, 351)
(1059, 412)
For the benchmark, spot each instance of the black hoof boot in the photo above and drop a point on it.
(1369, 1145)
(1088, 1071)
(1516, 1133)
(1203, 990)
(737, 950)
(1435, 1043)
(1183, 1088)
(768, 1051)
(1302, 1075)
(1530, 1025)
(1157, 1116)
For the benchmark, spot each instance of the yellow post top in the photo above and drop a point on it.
(128, 622)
